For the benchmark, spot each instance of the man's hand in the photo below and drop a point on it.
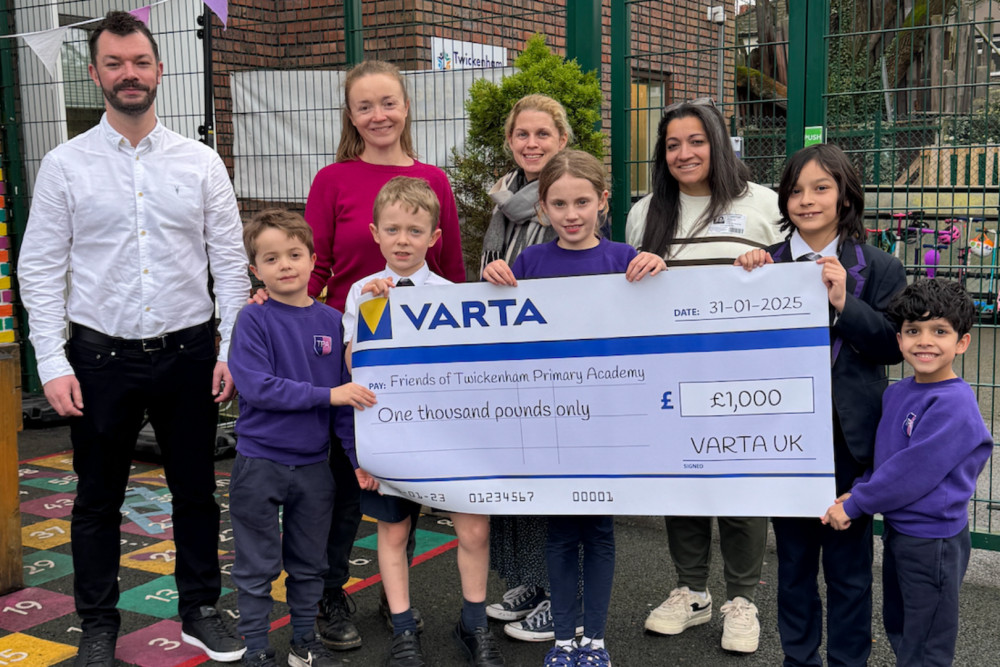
(63, 394)
(222, 383)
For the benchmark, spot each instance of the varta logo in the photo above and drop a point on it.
(495, 312)
(375, 322)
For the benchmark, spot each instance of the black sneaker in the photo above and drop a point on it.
(405, 651)
(479, 646)
(334, 626)
(383, 608)
(96, 650)
(263, 658)
(311, 653)
(211, 634)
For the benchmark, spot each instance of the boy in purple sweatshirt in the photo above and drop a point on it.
(287, 361)
(930, 447)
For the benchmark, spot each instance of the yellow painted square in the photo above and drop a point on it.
(156, 477)
(45, 534)
(157, 558)
(352, 580)
(27, 651)
(278, 590)
(58, 461)
(5, 282)
(6, 336)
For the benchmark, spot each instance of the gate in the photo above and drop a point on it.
(902, 86)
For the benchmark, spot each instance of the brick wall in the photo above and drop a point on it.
(305, 34)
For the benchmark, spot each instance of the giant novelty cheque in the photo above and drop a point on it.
(702, 391)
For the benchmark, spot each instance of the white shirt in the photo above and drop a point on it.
(423, 276)
(750, 221)
(798, 247)
(138, 228)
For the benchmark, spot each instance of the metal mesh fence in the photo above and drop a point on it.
(911, 95)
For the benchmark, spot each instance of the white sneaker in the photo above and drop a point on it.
(682, 610)
(741, 629)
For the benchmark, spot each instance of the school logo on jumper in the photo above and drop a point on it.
(375, 322)
(322, 345)
(908, 424)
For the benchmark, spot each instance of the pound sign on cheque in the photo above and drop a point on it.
(667, 405)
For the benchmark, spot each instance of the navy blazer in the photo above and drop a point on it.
(863, 341)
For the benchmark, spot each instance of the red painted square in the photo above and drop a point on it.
(29, 607)
(160, 525)
(51, 507)
(158, 645)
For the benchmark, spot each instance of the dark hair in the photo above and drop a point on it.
(727, 177)
(832, 160)
(413, 193)
(121, 24)
(934, 298)
(289, 222)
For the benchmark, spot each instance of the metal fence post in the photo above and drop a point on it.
(583, 34)
(797, 54)
(816, 63)
(354, 38)
(621, 92)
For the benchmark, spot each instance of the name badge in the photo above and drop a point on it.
(730, 223)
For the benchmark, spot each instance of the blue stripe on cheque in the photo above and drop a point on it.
(414, 480)
(600, 347)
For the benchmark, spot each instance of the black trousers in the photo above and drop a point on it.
(119, 384)
(346, 519)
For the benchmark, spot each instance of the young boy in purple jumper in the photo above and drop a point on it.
(930, 447)
(287, 357)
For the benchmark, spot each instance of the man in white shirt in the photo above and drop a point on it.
(138, 215)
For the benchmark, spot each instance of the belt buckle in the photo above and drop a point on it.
(154, 344)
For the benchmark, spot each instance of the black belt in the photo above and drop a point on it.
(167, 341)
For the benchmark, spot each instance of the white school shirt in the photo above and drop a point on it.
(798, 247)
(138, 228)
(423, 276)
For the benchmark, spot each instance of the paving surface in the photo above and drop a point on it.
(38, 625)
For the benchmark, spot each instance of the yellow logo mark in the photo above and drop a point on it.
(371, 312)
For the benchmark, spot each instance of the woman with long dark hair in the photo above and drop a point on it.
(704, 210)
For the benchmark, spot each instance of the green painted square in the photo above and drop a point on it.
(427, 540)
(155, 598)
(53, 484)
(42, 567)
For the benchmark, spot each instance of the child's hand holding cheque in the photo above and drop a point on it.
(835, 516)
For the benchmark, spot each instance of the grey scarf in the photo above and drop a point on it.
(515, 224)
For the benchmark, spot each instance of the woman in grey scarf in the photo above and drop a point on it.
(536, 129)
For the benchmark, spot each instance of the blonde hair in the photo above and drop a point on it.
(413, 193)
(544, 104)
(293, 224)
(351, 144)
(571, 162)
